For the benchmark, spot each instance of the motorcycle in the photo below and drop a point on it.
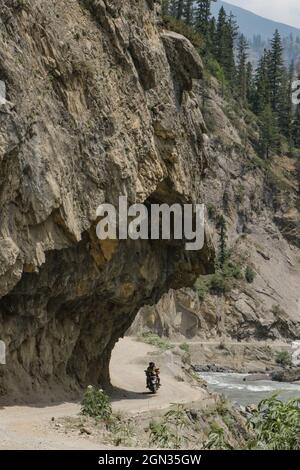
(152, 382)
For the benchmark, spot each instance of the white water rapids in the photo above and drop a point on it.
(233, 386)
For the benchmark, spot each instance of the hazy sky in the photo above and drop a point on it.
(285, 11)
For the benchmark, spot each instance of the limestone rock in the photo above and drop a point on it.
(96, 116)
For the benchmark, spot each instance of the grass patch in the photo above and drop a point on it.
(168, 432)
(121, 431)
(185, 347)
(216, 439)
(154, 340)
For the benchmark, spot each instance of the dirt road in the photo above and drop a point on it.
(129, 360)
(30, 427)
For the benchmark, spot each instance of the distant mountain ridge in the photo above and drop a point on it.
(251, 24)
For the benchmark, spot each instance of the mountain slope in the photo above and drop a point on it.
(251, 24)
(259, 201)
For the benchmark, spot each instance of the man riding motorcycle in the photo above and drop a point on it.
(152, 371)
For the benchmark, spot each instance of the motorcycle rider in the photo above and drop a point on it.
(151, 371)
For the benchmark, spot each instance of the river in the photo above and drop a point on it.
(235, 389)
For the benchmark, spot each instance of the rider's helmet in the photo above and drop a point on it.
(151, 364)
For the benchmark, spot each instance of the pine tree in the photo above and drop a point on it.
(232, 34)
(225, 37)
(221, 34)
(242, 57)
(179, 9)
(173, 8)
(276, 71)
(296, 127)
(269, 135)
(285, 106)
(223, 254)
(202, 16)
(211, 36)
(188, 12)
(250, 83)
(262, 84)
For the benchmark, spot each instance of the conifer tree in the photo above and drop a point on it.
(242, 57)
(262, 84)
(296, 127)
(223, 254)
(188, 12)
(232, 34)
(250, 83)
(212, 36)
(179, 9)
(221, 34)
(202, 16)
(268, 90)
(285, 106)
(269, 135)
(276, 71)
(226, 34)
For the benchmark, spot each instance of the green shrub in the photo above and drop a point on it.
(217, 284)
(283, 358)
(222, 406)
(215, 69)
(232, 270)
(154, 340)
(278, 311)
(161, 434)
(212, 211)
(221, 282)
(19, 5)
(250, 274)
(216, 439)
(277, 424)
(177, 417)
(201, 288)
(227, 270)
(168, 432)
(95, 403)
(240, 194)
(185, 347)
(121, 431)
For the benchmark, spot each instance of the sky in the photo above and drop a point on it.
(285, 11)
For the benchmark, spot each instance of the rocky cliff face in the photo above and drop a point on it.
(101, 102)
(260, 203)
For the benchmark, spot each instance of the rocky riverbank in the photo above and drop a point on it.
(281, 374)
